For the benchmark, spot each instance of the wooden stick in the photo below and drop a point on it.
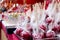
(24, 1)
(44, 4)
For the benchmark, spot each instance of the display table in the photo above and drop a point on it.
(0, 29)
(9, 36)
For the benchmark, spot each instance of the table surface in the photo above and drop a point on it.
(9, 36)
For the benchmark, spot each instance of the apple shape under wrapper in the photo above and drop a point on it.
(49, 20)
(26, 35)
(18, 31)
(56, 28)
(50, 34)
(29, 28)
(43, 27)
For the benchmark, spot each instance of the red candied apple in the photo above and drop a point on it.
(49, 20)
(42, 27)
(42, 35)
(14, 8)
(26, 8)
(18, 31)
(56, 28)
(29, 27)
(38, 36)
(50, 34)
(26, 35)
(30, 30)
(35, 35)
(3, 16)
(59, 28)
